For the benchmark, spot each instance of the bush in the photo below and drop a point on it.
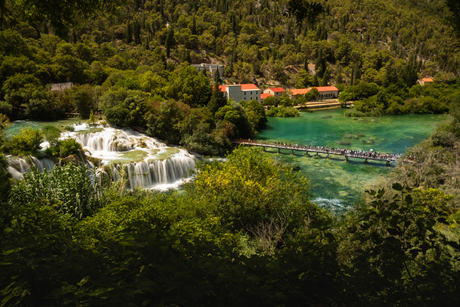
(69, 128)
(282, 112)
(26, 142)
(51, 133)
(443, 138)
(64, 149)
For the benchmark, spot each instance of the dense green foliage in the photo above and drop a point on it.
(374, 100)
(131, 57)
(245, 232)
(26, 142)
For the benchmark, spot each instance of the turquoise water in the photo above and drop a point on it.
(16, 127)
(335, 183)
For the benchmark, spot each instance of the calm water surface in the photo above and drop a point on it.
(333, 182)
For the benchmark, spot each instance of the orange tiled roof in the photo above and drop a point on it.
(277, 89)
(246, 87)
(263, 96)
(327, 89)
(301, 91)
(222, 88)
(427, 79)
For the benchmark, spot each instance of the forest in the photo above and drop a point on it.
(244, 232)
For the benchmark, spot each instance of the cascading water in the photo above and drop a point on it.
(18, 166)
(146, 162)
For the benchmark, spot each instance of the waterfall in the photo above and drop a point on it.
(145, 161)
(150, 173)
(153, 169)
(18, 166)
(114, 140)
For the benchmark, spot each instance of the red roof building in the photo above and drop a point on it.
(277, 92)
(265, 95)
(327, 89)
(248, 87)
(300, 91)
(246, 92)
(425, 80)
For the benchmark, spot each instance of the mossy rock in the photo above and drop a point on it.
(344, 142)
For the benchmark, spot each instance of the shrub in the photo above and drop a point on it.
(282, 112)
(51, 133)
(69, 128)
(26, 142)
(69, 147)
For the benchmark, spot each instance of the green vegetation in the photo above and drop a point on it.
(245, 232)
(26, 142)
(283, 112)
(374, 100)
(244, 224)
(127, 60)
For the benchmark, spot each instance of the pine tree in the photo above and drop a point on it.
(194, 25)
(218, 98)
(169, 41)
(129, 34)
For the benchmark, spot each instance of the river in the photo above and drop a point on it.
(334, 183)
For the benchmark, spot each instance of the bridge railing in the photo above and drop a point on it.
(371, 155)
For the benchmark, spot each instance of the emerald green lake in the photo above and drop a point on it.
(335, 183)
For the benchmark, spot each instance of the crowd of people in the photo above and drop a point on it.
(338, 151)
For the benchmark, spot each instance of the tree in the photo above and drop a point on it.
(255, 112)
(60, 14)
(83, 99)
(26, 142)
(92, 118)
(218, 98)
(264, 191)
(164, 122)
(397, 244)
(170, 41)
(51, 133)
(303, 9)
(454, 7)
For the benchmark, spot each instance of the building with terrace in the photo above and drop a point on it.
(325, 92)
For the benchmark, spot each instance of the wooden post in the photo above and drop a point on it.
(292, 151)
(346, 158)
(263, 148)
(388, 162)
(365, 161)
(278, 150)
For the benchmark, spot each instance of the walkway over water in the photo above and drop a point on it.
(347, 153)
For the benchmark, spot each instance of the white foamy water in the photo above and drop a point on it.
(18, 166)
(330, 204)
(147, 162)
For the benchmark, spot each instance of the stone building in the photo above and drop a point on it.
(212, 68)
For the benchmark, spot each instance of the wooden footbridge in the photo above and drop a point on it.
(347, 153)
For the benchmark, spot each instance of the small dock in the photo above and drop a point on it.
(316, 150)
